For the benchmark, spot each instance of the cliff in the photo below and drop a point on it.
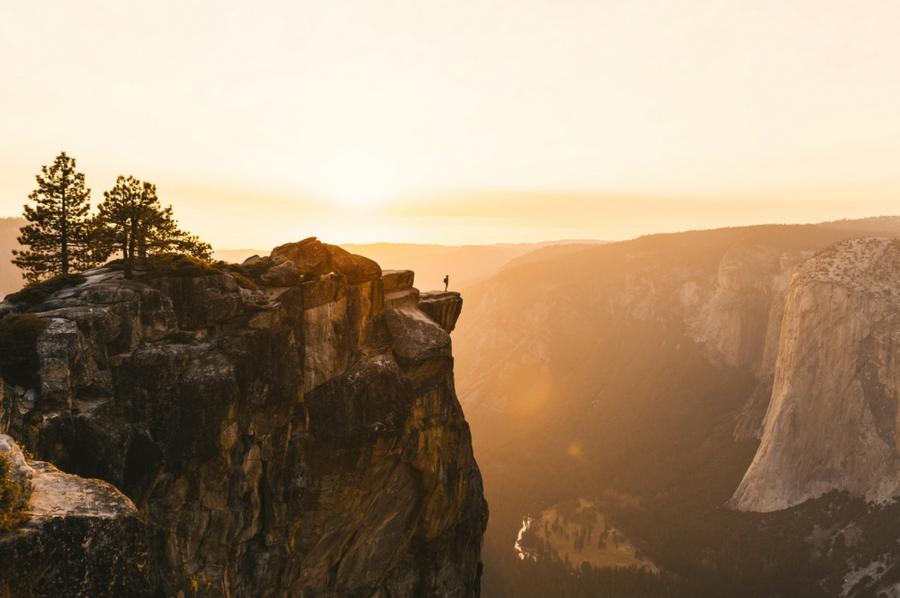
(285, 426)
(832, 419)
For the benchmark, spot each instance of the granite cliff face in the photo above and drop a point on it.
(287, 427)
(832, 423)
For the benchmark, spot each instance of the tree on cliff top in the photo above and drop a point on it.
(132, 221)
(57, 235)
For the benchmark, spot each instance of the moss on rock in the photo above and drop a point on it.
(13, 497)
(39, 291)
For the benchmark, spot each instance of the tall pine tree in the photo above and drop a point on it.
(57, 235)
(132, 221)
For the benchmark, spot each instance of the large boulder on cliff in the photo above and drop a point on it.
(311, 256)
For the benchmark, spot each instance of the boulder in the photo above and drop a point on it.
(416, 337)
(313, 257)
(356, 268)
(397, 280)
(308, 255)
(252, 260)
(443, 307)
(284, 274)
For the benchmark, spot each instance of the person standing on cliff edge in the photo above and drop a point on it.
(446, 282)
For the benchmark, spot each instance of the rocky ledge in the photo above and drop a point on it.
(79, 537)
(442, 307)
(287, 426)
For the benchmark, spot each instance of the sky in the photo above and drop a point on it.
(460, 121)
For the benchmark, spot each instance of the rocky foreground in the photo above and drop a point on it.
(82, 537)
(288, 426)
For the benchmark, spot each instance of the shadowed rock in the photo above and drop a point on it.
(443, 307)
(285, 274)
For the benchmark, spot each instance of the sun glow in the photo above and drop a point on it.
(365, 114)
(355, 178)
(356, 194)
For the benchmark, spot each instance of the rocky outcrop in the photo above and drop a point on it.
(79, 537)
(285, 429)
(442, 307)
(313, 257)
(832, 423)
(398, 289)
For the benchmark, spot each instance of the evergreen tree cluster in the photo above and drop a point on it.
(62, 235)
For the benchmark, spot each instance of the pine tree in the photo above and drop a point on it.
(57, 235)
(132, 221)
(160, 234)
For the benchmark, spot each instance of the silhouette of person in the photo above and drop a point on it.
(446, 282)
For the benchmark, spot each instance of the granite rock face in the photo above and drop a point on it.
(280, 439)
(442, 307)
(832, 423)
(80, 537)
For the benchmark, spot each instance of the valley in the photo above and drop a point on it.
(643, 369)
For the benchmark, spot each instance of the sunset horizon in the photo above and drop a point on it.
(357, 123)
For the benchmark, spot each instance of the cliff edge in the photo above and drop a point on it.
(286, 426)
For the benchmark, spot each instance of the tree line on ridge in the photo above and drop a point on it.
(62, 235)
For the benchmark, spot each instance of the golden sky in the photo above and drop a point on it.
(460, 121)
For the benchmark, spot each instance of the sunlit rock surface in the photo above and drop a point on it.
(79, 537)
(281, 440)
(832, 420)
